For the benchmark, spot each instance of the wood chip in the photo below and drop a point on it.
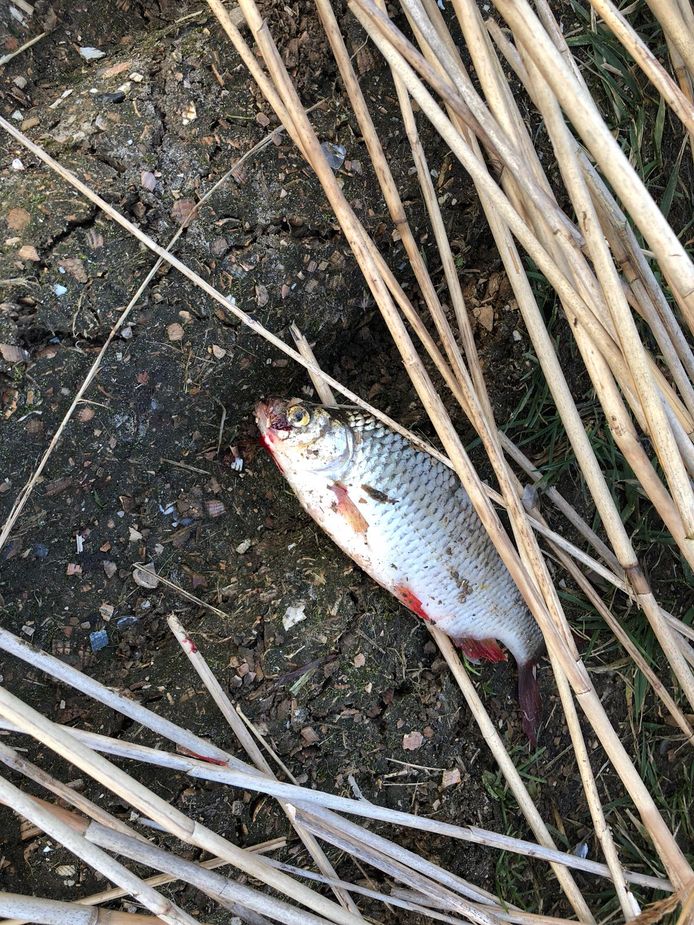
(28, 252)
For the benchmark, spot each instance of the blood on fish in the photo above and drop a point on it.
(348, 509)
(266, 441)
(485, 650)
(407, 597)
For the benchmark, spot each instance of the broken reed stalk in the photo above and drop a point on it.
(327, 804)
(323, 390)
(593, 709)
(618, 24)
(239, 902)
(106, 896)
(53, 912)
(676, 28)
(227, 710)
(174, 821)
(581, 110)
(576, 307)
(624, 434)
(94, 857)
(242, 901)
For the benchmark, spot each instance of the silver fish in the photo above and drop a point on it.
(406, 520)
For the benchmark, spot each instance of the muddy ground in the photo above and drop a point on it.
(145, 472)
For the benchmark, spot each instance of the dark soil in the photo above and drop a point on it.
(144, 472)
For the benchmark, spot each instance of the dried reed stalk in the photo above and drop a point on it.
(617, 23)
(577, 309)
(227, 710)
(106, 896)
(321, 802)
(162, 812)
(610, 740)
(53, 912)
(580, 108)
(63, 833)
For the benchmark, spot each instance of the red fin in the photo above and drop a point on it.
(410, 600)
(348, 509)
(529, 699)
(481, 650)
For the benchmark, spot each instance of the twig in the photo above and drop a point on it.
(22, 48)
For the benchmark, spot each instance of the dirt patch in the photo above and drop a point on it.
(145, 472)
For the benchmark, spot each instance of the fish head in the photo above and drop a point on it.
(303, 437)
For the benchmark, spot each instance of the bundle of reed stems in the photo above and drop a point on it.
(608, 285)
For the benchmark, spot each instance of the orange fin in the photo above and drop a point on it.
(407, 597)
(481, 650)
(348, 509)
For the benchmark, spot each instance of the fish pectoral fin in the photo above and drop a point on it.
(481, 650)
(348, 510)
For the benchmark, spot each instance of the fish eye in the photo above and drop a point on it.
(298, 416)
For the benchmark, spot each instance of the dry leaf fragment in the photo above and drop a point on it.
(115, 69)
(75, 267)
(450, 778)
(110, 568)
(218, 352)
(309, 735)
(144, 576)
(18, 219)
(86, 414)
(359, 660)
(175, 331)
(261, 295)
(412, 741)
(148, 181)
(182, 211)
(73, 569)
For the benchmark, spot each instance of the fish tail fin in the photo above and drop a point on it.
(529, 699)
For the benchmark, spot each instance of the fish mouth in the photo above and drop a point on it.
(270, 416)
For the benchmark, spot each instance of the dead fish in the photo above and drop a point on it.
(406, 520)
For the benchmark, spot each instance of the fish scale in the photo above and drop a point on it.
(405, 518)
